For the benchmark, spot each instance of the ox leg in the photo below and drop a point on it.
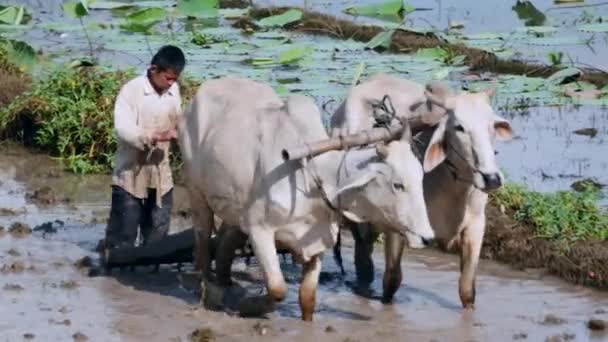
(230, 239)
(203, 220)
(308, 287)
(364, 246)
(202, 217)
(393, 251)
(263, 243)
(471, 241)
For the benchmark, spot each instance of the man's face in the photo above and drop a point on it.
(162, 80)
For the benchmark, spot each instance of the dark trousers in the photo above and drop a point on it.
(128, 212)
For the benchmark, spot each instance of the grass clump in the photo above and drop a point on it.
(563, 215)
(69, 114)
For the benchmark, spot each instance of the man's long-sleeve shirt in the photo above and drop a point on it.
(138, 113)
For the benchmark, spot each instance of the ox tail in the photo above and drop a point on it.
(338, 251)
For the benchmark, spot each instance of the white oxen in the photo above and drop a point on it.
(231, 139)
(460, 169)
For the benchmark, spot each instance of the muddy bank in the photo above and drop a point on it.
(14, 81)
(408, 42)
(508, 241)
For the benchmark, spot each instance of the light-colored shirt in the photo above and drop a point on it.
(140, 111)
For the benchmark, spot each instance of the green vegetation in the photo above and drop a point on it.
(69, 115)
(566, 216)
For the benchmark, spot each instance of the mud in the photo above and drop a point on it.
(141, 305)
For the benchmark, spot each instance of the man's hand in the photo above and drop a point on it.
(164, 135)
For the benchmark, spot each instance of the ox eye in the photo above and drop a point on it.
(459, 128)
(399, 186)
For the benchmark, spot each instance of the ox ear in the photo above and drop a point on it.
(435, 153)
(502, 128)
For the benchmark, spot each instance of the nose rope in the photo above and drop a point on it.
(454, 169)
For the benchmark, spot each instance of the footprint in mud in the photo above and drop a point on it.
(202, 335)
(520, 336)
(551, 319)
(261, 328)
(597, 324)
(42, 196)
(11, 212)
(20, 230)
(68, 284)
(80, 337)
(13, 252)
(65, 322)
(28, 336)
(16, 267)
(13, 287)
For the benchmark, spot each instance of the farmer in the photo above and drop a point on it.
(145, 118)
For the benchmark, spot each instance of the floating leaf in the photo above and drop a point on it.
(281, 90)
(442, 73)
(391, 7)
(19, 53)
(280, 20)
(435, 53)
(198, 8)
(553, 41)
(143, 20)
(563, 75)
(260, 61)
(76, 9)
(382, 39)
(110, 5)
(537, 30)
(600, 27)
(234, 13)
(13, 15)
(483, 36)
(358, 73)
(293, 55)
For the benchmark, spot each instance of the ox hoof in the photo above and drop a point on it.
(256, 306)
(469, 306)
(212, 295)
(388, 300)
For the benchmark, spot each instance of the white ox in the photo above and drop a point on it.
(231, 139)
(460, 169)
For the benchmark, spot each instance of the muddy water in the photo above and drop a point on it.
(56, 301)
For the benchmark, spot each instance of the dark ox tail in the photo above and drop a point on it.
(337, 250)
